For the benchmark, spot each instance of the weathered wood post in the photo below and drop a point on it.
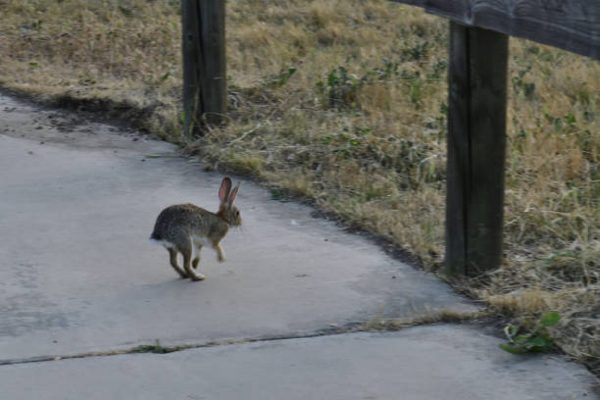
(204, 69)
(476, 149)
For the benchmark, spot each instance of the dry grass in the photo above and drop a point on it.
(433, 317)
(359, 126)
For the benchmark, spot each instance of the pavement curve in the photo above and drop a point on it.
(77, 275)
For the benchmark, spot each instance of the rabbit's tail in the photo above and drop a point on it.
(157, 239)
(155, 236)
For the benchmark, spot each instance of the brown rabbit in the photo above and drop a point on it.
(184, 228)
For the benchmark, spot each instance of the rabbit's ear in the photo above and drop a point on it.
(224, 189)
(233, 195)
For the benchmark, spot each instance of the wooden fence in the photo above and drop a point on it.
(479, 31)
(204, 79)
(572, 25)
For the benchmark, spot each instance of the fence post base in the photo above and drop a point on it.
(476, 149)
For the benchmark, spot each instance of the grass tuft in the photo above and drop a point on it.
(155, 348)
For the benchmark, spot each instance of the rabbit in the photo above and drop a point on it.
(184, 228)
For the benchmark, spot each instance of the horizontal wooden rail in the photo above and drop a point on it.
(572, 25)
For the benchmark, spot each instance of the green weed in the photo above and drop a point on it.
(535, 341)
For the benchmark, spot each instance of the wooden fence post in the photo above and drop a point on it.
(476, 149)
(204, 69)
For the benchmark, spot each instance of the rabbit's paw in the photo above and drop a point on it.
(198, 277)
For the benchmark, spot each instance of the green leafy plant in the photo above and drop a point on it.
(280, 194)
(416, 52)
(388, 70)
(340, 88)
(282, 78)
(347, 143)
(521, 85)
(416, 91)
(536, 341)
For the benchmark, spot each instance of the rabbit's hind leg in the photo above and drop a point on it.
(186, 250)
(173, 261)
(196, 260)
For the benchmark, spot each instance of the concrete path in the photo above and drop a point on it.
(423, 363)
(77, 274)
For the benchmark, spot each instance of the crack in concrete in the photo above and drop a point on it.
(157, 348)
(373, 325)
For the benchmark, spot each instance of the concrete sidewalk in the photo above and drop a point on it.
(422, 363)
(77, 274)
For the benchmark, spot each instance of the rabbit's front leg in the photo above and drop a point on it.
(219, 250)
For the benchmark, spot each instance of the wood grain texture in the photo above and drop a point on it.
(204, 64)
(476, 149)
(573, 25)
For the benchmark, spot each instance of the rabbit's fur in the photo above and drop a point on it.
(184, 228)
